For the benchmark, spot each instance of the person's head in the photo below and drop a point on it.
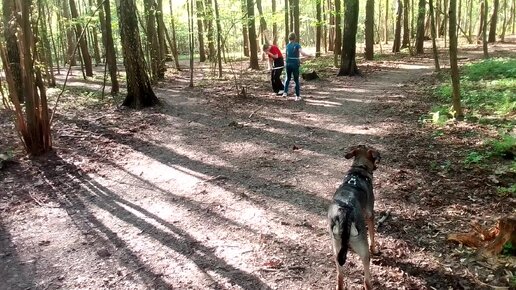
(266, 47)
(292, 36)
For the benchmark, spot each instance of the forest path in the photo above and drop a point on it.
(211, 191)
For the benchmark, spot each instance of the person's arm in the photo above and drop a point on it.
(304, 53)
(274, 56)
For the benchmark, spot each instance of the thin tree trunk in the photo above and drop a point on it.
(109, 47)
(208, 25)
(296, 19)
(263, 24)
(174, 42)
(83, 44)
(480, 34)
(484, 30)
(470, 19)
(369, 30)
(189, 8)
(70, 48)
(219, 38)
(287, 28)
(11, 42)
(161, 39)
(348, 65)
(434, 35)
(397, 32)
(386, 22)
(325, 27)
(420, 35)
(494, 22)
(152, 40)
(504, 24)
(318, 28)
(274, 24)
(245, 26)
(457, 107)
(337, 42)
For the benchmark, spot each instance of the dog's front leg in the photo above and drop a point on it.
(340, 277)
(370, 229)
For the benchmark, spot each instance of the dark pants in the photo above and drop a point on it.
(292, 70)
(277, 85)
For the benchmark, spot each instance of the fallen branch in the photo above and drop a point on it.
(255, 111)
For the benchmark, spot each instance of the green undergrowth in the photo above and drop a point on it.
(488, 94)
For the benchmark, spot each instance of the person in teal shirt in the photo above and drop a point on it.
(293, 52)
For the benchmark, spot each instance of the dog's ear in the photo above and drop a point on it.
(374, 155)
(351, 153)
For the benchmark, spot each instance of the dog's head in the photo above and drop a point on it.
(364, 156)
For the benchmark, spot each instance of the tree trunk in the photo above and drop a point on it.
(287, 27)
(494, 22)
(420, 35)
(189, 8)
(70, 48)
(107, 38)
(504, 24)
(386, 23)
(208, 25)
(434, 35)
(406, 28)
(457, 107)
(331, 30)
(161, 38)
(263, 24)
(369, 30)
(274, 24)
(219, 38)
(44, 49)
(470, 19)
(480, 33)
(253, 46)
(484, 30)
(173, 40)
(152, 40)
(11, 42)
(318, 28)
(139, 90)
(200, 31)
(337, 42)
(325, 27)
(94, 38)
(348, 65)
(245, 27)
(397, 32)
(86, 57)
(295, 9)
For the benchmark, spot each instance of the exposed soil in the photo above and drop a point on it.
(214, 191)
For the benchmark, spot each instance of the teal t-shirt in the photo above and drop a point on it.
(292, 53)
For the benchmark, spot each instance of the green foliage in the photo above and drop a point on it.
(504, 147)
(474, 158)
(487, 87)
(507, 191)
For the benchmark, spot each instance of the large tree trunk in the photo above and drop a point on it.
(287, 27)
(70, 41)
(484, 30)
(139, 90)
(44, 47)
(494, 22)
(295, 9)
(318, 28)
(11, 42)
(504, 23)
(152, 40)
(434, 36)
(397, 32)
(348, 65)
(406, 28)
(161, 38)
(208, 25)
(253, 46)
(86, 57)
(369, 30)
(331, 30)
(200, 31)
(457, 107)
(420, 35)
(245, 27)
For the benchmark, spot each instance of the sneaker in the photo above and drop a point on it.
(280, 93)
(298, 98)
(284, 95)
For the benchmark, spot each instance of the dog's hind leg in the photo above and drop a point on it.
(370, 229)
(361, 248)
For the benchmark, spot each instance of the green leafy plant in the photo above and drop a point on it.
(507, 191)
(474, 158)
(509, 250)
(506, 147)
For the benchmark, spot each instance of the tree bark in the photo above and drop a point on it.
(494, 22)
(83, 44)
(189, 8)
(152, 40)
(348, 64)
(173, 40)
(200, 31)
(484, 30)
(70, 47)
(369, 30)
(11, 42)
(219, 38)
(208, 25)
(139, 90)
(161, 38)
(253, 46)
(386, 23)
(406, 28)
(457, 107)
(504, 24)
(420, 35)
(263, 24)
(109, 46)
(337, 41)
(397, 32)
(274, 24)
(434, 35)
(296, 19)
(245, 27)
(287, 27)
(318, 28)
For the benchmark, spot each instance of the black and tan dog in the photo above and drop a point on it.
(351, 209)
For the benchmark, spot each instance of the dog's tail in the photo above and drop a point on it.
(341, 228)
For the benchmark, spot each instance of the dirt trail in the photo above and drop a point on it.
(199, 194)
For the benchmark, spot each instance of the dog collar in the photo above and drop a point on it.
(352, 179)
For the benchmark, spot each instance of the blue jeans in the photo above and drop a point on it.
(292, 69)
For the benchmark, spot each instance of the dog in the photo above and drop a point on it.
(350, 210)
(310, 76)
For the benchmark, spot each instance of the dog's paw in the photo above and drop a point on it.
(374, 251)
